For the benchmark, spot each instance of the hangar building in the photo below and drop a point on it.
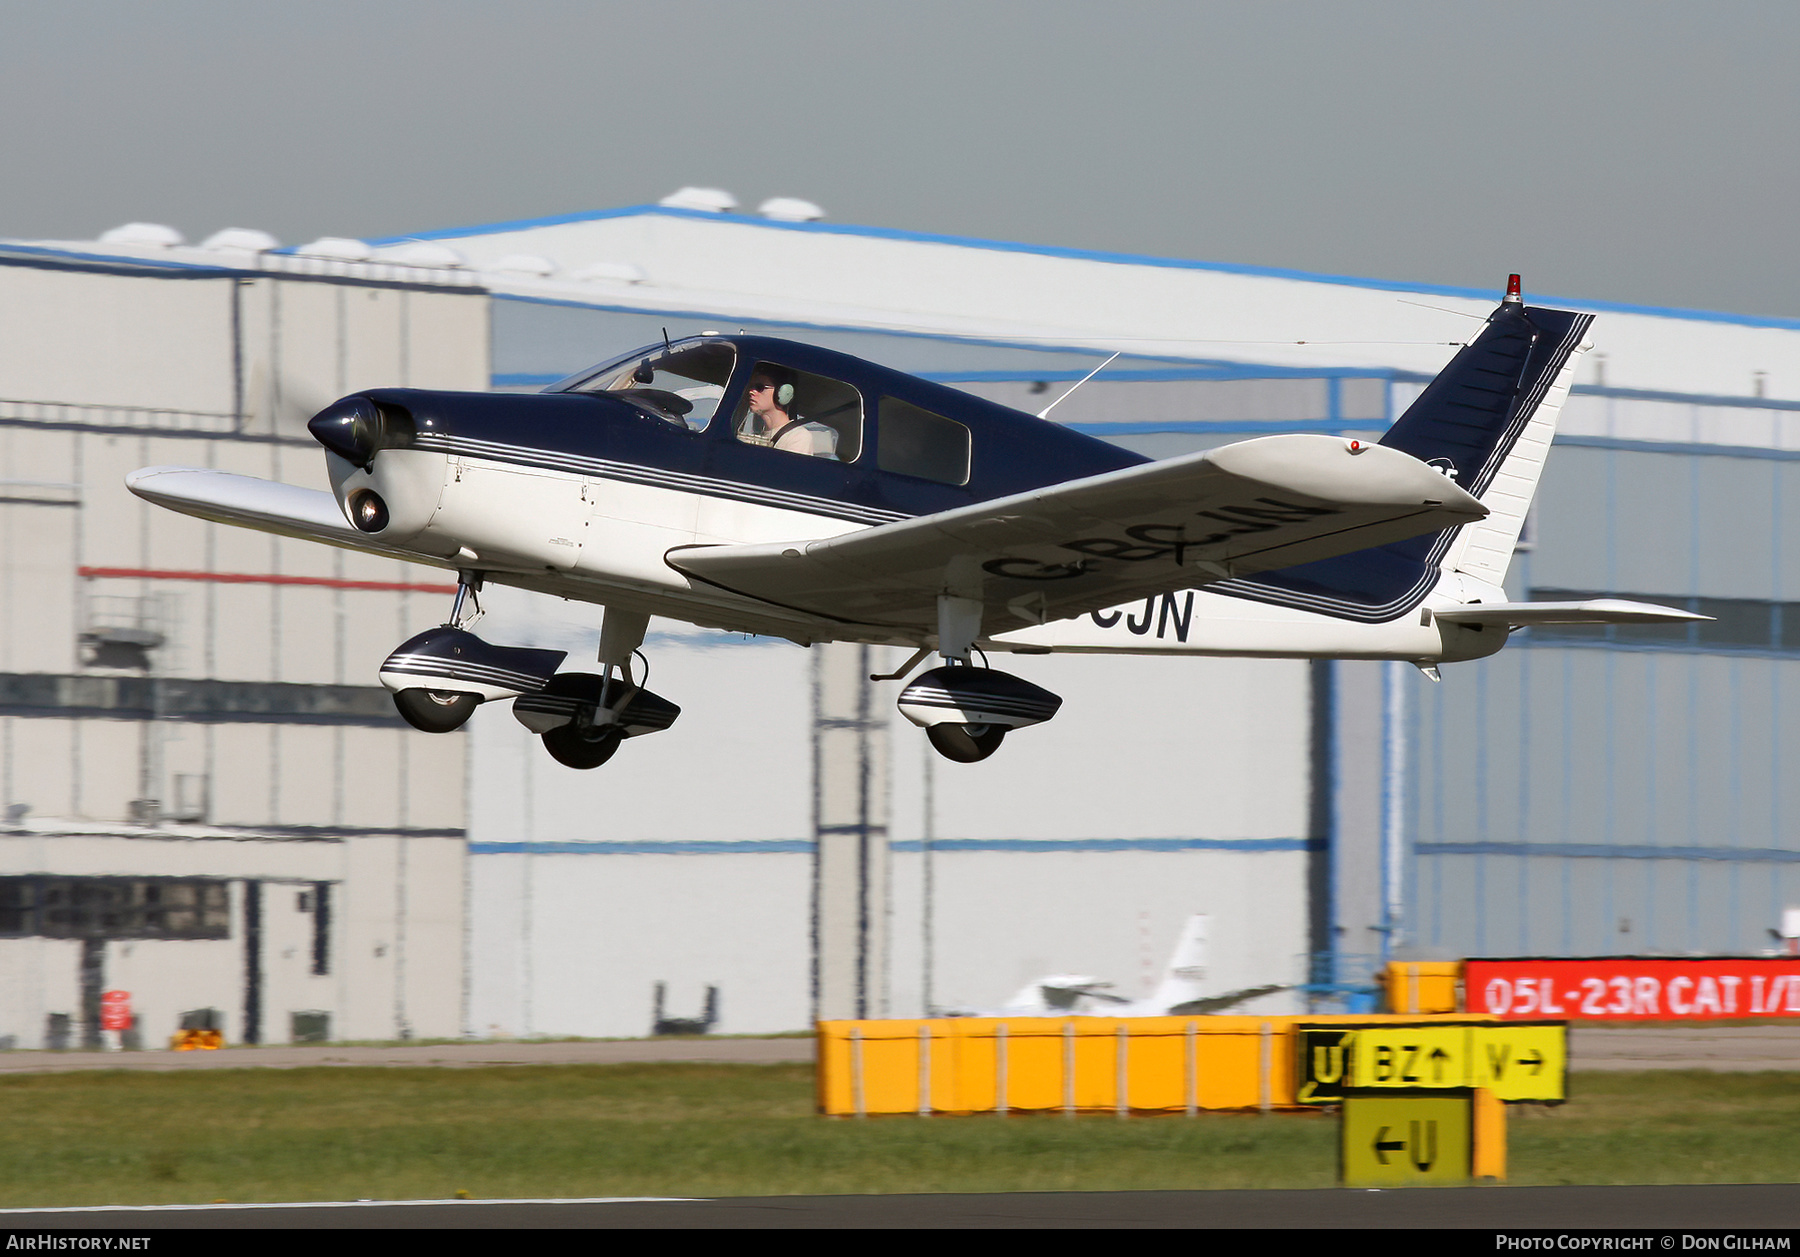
(176, 691)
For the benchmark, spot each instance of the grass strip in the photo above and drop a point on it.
(739, 1130)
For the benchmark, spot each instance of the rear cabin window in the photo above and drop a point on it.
(800, 413)
(915, 442)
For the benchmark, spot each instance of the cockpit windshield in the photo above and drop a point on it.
(683, 385)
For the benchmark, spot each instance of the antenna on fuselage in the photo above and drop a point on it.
(1078, 383)
(667, 347)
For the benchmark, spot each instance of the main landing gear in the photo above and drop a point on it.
(442, 675)
(967, 711)
(583, 718)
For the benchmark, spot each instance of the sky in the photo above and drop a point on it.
(1620, 150)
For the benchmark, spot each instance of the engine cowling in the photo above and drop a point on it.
(386, 487)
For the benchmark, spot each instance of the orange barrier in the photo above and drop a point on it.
(1488, 1156)
(1120, 1065)
(1423, 986)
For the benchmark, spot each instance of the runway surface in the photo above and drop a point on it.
(1661, 1208)
(1729, 1048)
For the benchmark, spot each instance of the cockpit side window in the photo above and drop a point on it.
(684, 387)
(915, 442)
(800, 413)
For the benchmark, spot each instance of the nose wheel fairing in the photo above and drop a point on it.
(453, 660)
(442, 675)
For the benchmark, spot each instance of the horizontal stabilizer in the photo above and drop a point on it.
(1589, 611)
(1219, 1003)
(1085, 545)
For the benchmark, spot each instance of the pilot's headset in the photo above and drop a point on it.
(784, 389)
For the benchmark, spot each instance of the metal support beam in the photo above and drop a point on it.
(621, 632)
(959, 624)
(850, 828)
(468, 584)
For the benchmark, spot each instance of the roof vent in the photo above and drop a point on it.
(153, 234)
(243, 239)
(615, 272)
(425, 253)
(524, 264)
(712, 200)
(790, 209)
(338, 247)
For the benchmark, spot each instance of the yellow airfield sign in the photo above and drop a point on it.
(1514, 1061)
(1405, 1140)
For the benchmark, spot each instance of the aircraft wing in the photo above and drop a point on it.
(1087, 544)
(265, 505)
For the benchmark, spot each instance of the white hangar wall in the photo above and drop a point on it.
(1596, 791)
(1164, 788)
(364, 928)
(185, 701)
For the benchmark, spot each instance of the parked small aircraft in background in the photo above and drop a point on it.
(765, 486)
(1178, 994)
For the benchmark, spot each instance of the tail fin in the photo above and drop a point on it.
(1187, 967)
(1486, 421)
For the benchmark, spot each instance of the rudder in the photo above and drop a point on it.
(1488, 420)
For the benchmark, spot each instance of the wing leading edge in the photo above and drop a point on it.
(265, 505)
(1088, 544)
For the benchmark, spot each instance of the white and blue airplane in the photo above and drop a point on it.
(769, 487)
(1180, 992)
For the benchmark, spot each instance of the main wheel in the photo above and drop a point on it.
(966, 744)
(436, 711)
(582, 747)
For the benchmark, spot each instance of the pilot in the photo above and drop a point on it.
(771, 421)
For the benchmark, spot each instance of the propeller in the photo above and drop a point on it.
(279, 403)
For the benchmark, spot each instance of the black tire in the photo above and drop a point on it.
(436, 711)
(588, 747)
(966, 744)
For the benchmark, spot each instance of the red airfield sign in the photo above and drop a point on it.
(1632, 988)
(115, 1010)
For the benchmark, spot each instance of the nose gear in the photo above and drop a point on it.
(440, 676)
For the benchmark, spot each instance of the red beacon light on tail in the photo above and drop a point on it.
(1512, 291)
